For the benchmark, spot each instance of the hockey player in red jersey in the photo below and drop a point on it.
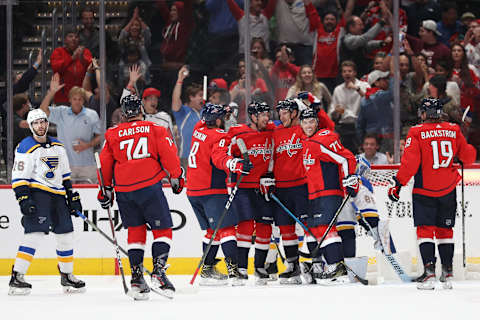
(429, 152)
(290, 178)
(329, 166)
(253, 212)
(208, 163)
(135, 158)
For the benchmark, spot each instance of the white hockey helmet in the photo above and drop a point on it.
(36, 114)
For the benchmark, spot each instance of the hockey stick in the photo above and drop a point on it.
(96, 228)
(356, 276)
(128, 292)
(243, 150)
(390, 258)
(464, 253)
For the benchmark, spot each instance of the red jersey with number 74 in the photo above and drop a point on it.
(429, 152)
(138, 154)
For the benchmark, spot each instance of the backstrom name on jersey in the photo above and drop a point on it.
(438, 134)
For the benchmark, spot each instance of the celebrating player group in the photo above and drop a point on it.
(240, 183)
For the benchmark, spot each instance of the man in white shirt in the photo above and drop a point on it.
(345, 104)
(150, 104)
(370, 148)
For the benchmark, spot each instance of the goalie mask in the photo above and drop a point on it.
(34, 115)
(131, 106)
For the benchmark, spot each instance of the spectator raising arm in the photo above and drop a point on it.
(55, 86)
(177, 91)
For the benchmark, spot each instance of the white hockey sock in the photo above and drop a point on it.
(65, 252)
(26, 251)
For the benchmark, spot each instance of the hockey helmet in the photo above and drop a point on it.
(131, 106)
(258, 107)
(288, 104)
(363, 165)
(36, 114)
(307, 114)
(211, 112)
(432, 107)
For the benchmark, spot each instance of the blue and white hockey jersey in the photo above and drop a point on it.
(42, 166)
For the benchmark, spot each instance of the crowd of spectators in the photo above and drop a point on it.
(340, 50)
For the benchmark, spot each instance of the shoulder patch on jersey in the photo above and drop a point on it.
(27, 145)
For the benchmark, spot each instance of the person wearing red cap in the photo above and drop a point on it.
(150, 104)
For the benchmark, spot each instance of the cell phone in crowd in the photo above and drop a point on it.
(186, 72)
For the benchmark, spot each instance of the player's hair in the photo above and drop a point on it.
(192, 90)
(19, 100)
(77, 91)
(372, 136)
(350, 22)
(348, 63)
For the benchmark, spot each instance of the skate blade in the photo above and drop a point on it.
(261, 282)
(209, 282)
(273, 277)
(429, 285)
(70, 290)
(291, 280)
(447, 285)
(12, 291)
(237, 282)
(137, 295)
(334, 281)
(167, 293)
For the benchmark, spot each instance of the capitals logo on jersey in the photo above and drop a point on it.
(291, 146)
(308, 161)
(52, 164)
(265, 149)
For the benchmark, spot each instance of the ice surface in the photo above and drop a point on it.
(104, 300)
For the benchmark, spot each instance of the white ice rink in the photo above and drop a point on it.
(104, 300)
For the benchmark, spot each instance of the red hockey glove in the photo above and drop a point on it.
(394, 192)
(267, 185)
(237, 165)
(351, 184)
(178, 183)
(106, 200)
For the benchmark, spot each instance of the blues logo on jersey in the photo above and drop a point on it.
(52, 163)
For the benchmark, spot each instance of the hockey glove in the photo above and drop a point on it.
(27, 205)
(106, 200)
(394, 192)
(351, 184)
(73, 203)
(237, 165)
(267, 185)
(178, 183)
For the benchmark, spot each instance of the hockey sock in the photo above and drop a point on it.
(26, 251)
(162, 240)
(212, 253)
(136, 244)
(311, 245)
(426, 244)
(65, 252)
(228, 242)
(332, 244)
(244, 241)
(372, 221)
(348, 242)
(263, 233)
(290, 241)
(445, 245)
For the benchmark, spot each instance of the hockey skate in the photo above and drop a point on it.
(272, 270)
(234, 276)
(18, 286)
(70, 284)
(446, 277)
(306, 269)
(160, 282)
(210, 276)
(292, 274)
(139, 286)
(261, 277)
(334, 274)
(427, 280)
